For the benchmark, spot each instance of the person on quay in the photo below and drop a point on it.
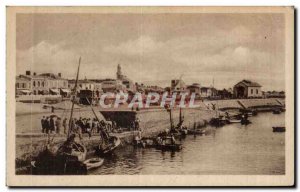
(89, 127)
(64, 124)
(43, 124)
(58, 125)
(137, 124)
(47, 125)
(52, 125)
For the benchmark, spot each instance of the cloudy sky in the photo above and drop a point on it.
(155, 48)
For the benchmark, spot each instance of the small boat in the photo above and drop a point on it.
(218, 122)
(62, 163)
(234, 120)
(144, 143)
(72, 150)
(245, 121)
(276, 111)
(107, 147)
(197, 131)
(168, 144)
(184, 131)
(93, 163)
(279, 129)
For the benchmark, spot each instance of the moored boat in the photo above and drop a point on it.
(234, 120)
(93, 163)
(276, 111)
(168, 143)
(68, 158)
(279, 129)
(197, 131)
(106, 147)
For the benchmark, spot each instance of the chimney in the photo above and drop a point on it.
(27, 72)
(34, 73)
(59, 74)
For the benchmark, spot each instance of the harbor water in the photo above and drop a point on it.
(233, 149)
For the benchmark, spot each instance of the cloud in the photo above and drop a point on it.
(192, 56)
(140, 46)
(46, 57)
(227, 56)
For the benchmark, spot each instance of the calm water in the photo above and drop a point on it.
(232, 149)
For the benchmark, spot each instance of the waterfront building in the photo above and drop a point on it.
(178, 85)
(112, 85)
(225, 93)
(42, 84)
(154, 89)
(83, 84)
(208, 92)
(55, 84)
(23, 85)
(194, 88)
(247, 89)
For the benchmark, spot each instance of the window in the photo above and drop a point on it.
(33, 83)
(256, 91)
(17, 85)
(251, 91)
(39, 84)
(24, 85)
(43, 84)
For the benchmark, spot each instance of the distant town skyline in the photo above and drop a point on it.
(155, 48)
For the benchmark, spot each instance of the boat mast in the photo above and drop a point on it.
(171, 120)
(73, 99)
(180, 118)
(106, 133)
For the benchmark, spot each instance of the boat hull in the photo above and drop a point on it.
(115, 142)
(278, 129)
(93, 163)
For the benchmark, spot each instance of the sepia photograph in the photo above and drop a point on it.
(150, 96)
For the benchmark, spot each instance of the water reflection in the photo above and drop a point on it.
(232, 149)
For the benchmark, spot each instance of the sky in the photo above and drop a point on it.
(207, 48)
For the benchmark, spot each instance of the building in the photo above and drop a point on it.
(153, 89)
(178, 85)
(129, 84)
(112, 85)
(225, 93)
(43, 84)
(82, 84)
(208, 92)
(55, 84)
(194, 88)
(23, 85)
(247, 89)
(274, 94)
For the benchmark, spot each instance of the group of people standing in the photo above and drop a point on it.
(53, 124)
(86, 125)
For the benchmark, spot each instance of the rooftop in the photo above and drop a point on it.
(249, 83)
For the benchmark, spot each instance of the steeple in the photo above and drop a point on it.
(119, 72)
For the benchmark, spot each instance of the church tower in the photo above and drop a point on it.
(119, 72)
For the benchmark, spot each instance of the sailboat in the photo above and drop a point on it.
(68, 158)
(108, 143)
(166, 141)
(70, 147)
(183, 130)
